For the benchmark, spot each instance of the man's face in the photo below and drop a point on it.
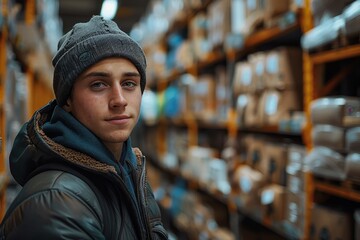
(106, 98)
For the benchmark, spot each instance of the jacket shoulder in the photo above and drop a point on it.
(63, 182)
(60, 199)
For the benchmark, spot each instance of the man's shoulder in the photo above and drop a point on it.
(51, 196)
(60, 181)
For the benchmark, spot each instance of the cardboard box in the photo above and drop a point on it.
(351, 16)
(357, 223)
(255, 152)
(198, 37)
(325, 162)
(273, 164)
(254, 116)
(352, 166)
(296, 4)
(296, 155)
(329, 223)
(242, 102)
(323, 10)
(221, 233)
(238, 17)
(337, 111)
(295, 169)
(257, 62)
(283, 68)
(353, 140)
(243, 78)
(328, 136)
(203, 98)
(219, 19)
(248, 179)
(185, 55)
(294, 217)
(248, 113)
(223, 93)
(254, 14)
(278, 105)
(196, 164)
(273, 199)
(273, 8)
(218, 176)
(248, 182)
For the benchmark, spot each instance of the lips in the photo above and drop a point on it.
(118, 120)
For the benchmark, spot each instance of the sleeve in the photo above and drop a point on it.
(53, 214)
(154, 214)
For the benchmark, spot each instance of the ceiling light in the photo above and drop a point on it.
(109, 9)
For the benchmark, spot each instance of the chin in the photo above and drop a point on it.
(119, 139)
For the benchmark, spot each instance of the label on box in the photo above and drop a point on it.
(293, 212)
(267, 197)
(246, 75)
(299, 3)
(251, 4)
(259, 68)
(272, 64)
(245, 184)
(221, 92)
(242, 101)
(294, 184)
(271, 105)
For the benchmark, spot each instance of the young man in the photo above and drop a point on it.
(81, 177)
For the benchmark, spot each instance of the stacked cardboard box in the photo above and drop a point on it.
(296, 192)
(219, 22)
(330, 223)
(336, 137)
(352, 161)
(272, 170)
(335, 21)
(268, 87)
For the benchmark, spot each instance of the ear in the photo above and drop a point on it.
(67, 106)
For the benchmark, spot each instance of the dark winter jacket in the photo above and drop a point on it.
(73, 188)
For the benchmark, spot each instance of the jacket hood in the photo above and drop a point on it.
(54, 135)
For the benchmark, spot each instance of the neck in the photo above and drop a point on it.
(116, 150)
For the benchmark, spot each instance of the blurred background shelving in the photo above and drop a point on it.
(251, 117)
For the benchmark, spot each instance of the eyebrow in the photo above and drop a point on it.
(106, 74)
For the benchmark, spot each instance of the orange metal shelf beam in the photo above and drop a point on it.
(336, 54)
(338, 191)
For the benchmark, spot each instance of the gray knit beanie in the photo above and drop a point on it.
(88, 43)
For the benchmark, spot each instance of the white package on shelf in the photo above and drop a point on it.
(352, 167)
(323, 34)
(351, 16)
(353, 140)
(338, 111)
(325, 162)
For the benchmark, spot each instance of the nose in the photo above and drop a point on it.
(117, 98)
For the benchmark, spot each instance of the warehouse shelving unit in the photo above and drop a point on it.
(270, 36)
(312, 64)
(38, 94)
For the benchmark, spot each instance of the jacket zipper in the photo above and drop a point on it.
(137, 209)
(140, 192)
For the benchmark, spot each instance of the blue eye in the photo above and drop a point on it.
(97, 85)
(129, 84)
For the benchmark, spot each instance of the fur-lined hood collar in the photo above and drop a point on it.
(51, 135)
